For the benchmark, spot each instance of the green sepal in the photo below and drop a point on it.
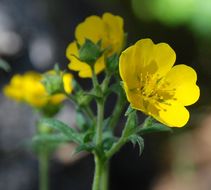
(152, 126)
(89, 52)
(136, 139)
(112, 63)
(131, 124)
(129, 110)
(4, 65)
(53, 82)
(59, 126)
(83, 98)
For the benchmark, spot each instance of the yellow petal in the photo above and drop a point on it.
(154, 58)
(115, 33)
(67, 80)
(92, 28)
(128, 67)
(173, 115)
(183, 79)
(134, 98)
(71, 50)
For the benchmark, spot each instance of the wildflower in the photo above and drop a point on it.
(106, 32)
(156, 87)
(29, 89)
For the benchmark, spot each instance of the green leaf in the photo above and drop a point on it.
(47, 142)
(112, 63)
(80, 120)
(89, 147)
(152, 126)
(72, 134)
(131, 124)
(156, 127)
(135, 139)
(49, 138)
(4, 65)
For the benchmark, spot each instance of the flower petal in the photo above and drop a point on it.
(114, 29)
(183, 79)
(127, 68)
(154, 58)
(134, 98)
(92, 28)
(173, 115)
(67, 81)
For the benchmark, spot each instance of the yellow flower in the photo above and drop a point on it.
(108, 30)
(156, 87)
(29, 89)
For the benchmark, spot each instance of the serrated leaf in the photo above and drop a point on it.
(156, 127)
(131, 124)
(135, 139)
(151, 126)
(89, 147)
(47, 142)
(108, 143)
(80, 120)
(63, 128)
(49, 138)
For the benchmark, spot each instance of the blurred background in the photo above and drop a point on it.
(34, 35)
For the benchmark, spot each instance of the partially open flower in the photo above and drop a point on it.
(154, 86)
(107, 32)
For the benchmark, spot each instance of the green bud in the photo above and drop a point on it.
(53, 83)
(89, 52)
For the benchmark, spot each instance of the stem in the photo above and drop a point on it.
(116, 147)
(43, 170)
(120, 105)
(106, 82)
(100, 116)
(97, 175)
(105, 176)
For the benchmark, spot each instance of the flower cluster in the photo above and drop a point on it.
(28, 88)
(150, 84)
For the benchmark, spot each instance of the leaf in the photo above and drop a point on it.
(131, 124)
(49, 138)
(4, 65)
(47, 142)
(152, 126)
(89, 147)
(63, 128)
(135, 139)
(156, 127)
(80, 120)
(112, 63)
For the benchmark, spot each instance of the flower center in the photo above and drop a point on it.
(154, 89)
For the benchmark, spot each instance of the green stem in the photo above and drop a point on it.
(99, 127)
(116, 147)
(120, 105)
(105, 176)
(43, 170)
(97, 174)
